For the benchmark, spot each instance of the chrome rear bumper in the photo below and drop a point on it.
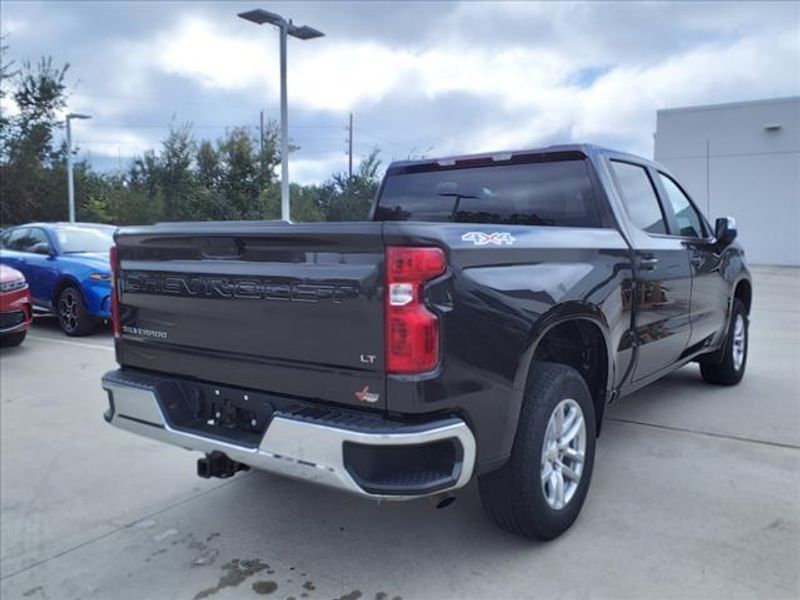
(291, 446)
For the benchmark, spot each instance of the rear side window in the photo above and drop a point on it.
(639, 197)
(19, 239)
(557, 193)
(690, 223)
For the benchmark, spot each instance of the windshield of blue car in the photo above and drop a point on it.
(76, 239)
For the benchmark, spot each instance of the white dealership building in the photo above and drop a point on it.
(742, 160)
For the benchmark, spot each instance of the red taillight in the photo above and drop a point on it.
(114, 260)
(412, 331)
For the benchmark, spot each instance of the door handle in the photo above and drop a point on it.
(697, 261)
(648, 263)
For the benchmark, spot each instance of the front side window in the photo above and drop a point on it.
(551, 193)
(690, 224)
(37, 241)
(639, 197)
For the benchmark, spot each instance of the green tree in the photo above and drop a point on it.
(344, 198)
(304, 203)
(241, 179)
(234, 177)
(209, 169)
(40, 93)
(6, 76)
(30, 163)
(176, 176)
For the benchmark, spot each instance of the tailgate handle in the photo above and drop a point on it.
(222, 248)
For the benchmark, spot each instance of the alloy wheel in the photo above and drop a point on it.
(563, 453)
(69, 311)
(739, 345)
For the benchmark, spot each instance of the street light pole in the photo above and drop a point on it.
(285, 210)
(302, 32)
(70, 179)
(70, 183)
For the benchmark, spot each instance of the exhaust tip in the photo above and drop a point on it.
(441, 501)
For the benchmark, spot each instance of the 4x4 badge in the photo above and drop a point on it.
(497, 238)
(366, 396)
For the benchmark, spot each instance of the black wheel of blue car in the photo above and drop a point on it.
(72, 315)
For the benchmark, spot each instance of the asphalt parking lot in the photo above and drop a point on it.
(696, 493)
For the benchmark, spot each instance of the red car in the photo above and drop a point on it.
(15, 307)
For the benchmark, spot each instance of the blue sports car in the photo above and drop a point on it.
(67, 268)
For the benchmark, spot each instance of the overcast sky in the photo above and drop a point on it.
(420, 78)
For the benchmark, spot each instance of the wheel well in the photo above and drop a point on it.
(64, 282)
(744, 293)
(581, 345)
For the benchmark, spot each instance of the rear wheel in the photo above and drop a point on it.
(728, 367)
(12, 339)
(73, 317)
(540, 491)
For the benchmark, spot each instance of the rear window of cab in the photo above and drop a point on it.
(553, 193)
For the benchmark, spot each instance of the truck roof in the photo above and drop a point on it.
(584, 149)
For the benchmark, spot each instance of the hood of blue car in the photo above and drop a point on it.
(99, 259)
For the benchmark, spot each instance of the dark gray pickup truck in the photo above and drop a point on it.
(476, 327)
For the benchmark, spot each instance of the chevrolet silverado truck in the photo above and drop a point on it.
(475, 327)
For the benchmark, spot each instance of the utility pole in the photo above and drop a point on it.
(350, 147)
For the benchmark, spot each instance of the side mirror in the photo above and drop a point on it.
(42, 248)
(725, 230)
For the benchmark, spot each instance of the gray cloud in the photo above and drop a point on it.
(441, 76)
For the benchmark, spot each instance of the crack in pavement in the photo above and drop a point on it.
(724, 436)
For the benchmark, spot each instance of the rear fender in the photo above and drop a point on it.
(563, 313)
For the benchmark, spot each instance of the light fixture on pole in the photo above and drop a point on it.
(304, 32)
(70, 182)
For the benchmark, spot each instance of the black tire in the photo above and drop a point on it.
(514, 496)
(12, 339)
(723, 368)
(71, 312)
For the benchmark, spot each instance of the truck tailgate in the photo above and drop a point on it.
(294, 310)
